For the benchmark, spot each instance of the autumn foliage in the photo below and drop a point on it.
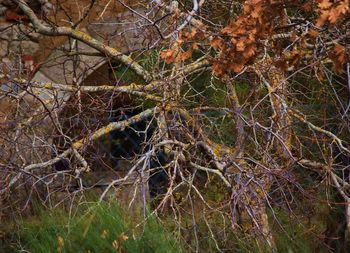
(260, 26)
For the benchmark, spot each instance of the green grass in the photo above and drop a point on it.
(100, 228)
(107, 228)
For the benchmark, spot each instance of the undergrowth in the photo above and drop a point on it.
(99, 228)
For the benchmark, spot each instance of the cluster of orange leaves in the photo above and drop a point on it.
(339, 57)
(238, 43)
(331, 11)
(176, 54)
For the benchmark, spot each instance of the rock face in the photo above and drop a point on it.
(63, 60)
(123, 30)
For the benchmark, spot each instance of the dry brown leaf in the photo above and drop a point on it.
(216, 43)
(249, 51)
(334, 15)
(343, 7)
(322, 18)
(338, 57)
(307, 7)
(186, 55)
(313, 33)
(218, 69)
(324, 4)
(168, 55)
(339, 51)
(240, 46)
(236, 67)
(195, 46)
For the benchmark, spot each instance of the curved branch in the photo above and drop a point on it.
(44, 29)
(120, 125)
(303, 119)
